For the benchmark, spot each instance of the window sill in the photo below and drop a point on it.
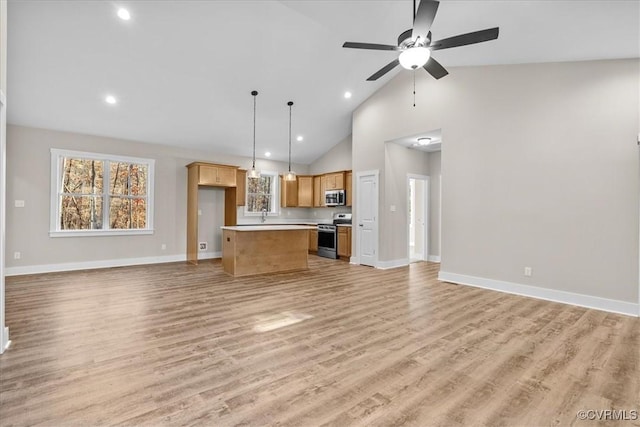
(98, 233)
(269, 214)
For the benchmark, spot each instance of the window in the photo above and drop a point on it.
(98, 194)
(262, 193)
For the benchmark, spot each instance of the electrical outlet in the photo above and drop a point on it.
(392, 208)
(528, 271)
(203, 246)
(17, 255)
(163, 247)
(199, 212)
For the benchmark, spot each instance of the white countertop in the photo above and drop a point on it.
(343, 225)
(281, 227)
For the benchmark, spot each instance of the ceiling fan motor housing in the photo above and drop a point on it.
(405, 41)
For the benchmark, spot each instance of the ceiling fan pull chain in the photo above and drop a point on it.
(414, 88)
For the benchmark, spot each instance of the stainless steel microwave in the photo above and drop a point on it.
(335, 198)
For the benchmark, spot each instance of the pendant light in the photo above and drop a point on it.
(254, 173)
(290, 176)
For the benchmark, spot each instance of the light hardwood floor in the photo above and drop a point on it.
(175, 344)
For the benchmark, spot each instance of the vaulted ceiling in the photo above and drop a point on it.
(182, 71)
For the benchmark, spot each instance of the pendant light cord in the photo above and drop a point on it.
(290, 104)
(254, 93)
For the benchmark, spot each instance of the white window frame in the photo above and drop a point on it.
(275, 191)
(56, 182)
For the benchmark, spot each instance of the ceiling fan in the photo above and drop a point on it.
(415, 45)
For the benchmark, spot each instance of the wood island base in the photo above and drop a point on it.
(249, 250)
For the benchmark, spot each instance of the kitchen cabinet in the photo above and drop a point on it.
(344, 241)
(348, 186)
(209, 175)
(334, 181)
(216, 175)
(313, 240)
(318, 194)
(323, 188)
(241, 187)
(288, 193)
(305, 191)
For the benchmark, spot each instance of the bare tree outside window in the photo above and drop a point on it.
(102, 194)
(261, 193)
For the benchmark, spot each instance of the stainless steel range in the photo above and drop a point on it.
(327, 235)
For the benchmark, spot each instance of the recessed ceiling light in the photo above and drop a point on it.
(110, 99)
(124, 14)
(267, 154)
(299, 138)
(347, 94)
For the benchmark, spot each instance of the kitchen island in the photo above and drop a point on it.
(258, 249)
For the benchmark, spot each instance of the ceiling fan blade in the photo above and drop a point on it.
(424, 18)
(434, 68)
(465, 39)
(384, 70)
(355, 45)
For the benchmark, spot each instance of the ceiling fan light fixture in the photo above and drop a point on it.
(414, 57)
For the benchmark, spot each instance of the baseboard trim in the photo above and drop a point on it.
(395, 263)
(7, 342)
(433, 258)
(92, 265)
(581, 300)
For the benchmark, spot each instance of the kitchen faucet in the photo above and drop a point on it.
(263, 217)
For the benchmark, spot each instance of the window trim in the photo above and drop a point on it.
(54, 213)
(276, 195)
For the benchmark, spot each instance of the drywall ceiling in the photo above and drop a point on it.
(182, 71)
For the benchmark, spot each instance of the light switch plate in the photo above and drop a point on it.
(19, 203)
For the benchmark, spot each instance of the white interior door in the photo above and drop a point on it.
(367, 215)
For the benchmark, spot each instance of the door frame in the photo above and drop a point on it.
(376, 174)
(427, 216)
(4, 331)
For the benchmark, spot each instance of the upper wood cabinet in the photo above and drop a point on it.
(334, 181)
(318, 194)
(323, 188)
(348, 186)
(288, 193)
(215, 175)
(241, 187)
(305, 191)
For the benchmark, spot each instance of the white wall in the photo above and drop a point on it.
(399, 161)
(539, 169)
(435, 171)
(28, 179)
(338, 158)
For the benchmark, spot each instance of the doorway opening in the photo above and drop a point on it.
(418, 217)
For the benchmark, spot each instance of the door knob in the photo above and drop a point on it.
(361, 225)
